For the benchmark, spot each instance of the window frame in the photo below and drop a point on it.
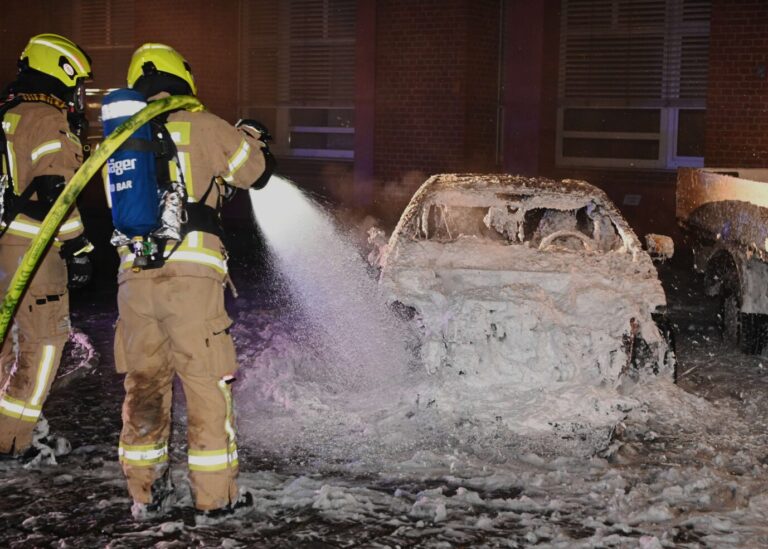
(669, 102)
(286, 99)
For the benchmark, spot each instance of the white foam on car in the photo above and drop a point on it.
(337, 386)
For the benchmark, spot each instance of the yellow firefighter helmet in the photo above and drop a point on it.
(58, 57)
(159, 58)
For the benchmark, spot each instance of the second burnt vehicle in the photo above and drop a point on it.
(723, 213)
(527, 281)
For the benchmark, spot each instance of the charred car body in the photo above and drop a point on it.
(526, 281)
(724, 216)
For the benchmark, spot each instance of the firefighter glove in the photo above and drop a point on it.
(269, 168)
(254, 128)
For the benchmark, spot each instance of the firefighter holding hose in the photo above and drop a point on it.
(171, 297)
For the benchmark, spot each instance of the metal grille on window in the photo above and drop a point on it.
(298, 74)
(632, 83)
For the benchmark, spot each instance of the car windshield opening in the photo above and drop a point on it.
(587, 228)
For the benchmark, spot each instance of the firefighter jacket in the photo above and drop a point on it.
(210, 150)
(39, 143)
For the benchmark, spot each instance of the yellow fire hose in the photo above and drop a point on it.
(67, 197)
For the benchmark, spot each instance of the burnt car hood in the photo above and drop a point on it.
(536, 323)
(465, 265)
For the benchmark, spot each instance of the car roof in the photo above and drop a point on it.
(506, 182)
(540, 189)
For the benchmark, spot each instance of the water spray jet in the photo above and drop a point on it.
(353, 331)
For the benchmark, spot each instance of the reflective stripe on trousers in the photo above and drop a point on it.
(143, 455)
(222, 459)
(31, 410)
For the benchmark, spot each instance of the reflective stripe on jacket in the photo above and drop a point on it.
(209, 148)
(39, 143)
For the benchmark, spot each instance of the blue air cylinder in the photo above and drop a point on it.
(131, 170)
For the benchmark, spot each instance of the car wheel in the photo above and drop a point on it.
(742, 330)
(752, 335)
(665, 327)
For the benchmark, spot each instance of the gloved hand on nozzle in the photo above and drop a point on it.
(259, 131)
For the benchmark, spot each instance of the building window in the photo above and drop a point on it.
(298, 74)
(104, 28)
(632, 83)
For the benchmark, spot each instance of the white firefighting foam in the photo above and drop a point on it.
(346, 323)
(334, 378)
(685, 472)
(334, 353)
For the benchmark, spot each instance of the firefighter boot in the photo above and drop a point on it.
(239, 508)
(162, 500)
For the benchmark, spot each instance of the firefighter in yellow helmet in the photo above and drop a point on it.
(172, 318)
(41, 113)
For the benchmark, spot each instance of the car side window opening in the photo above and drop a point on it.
(444, 223)
(605, 232)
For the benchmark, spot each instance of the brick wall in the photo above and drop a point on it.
(436, 76)
(420, 63)
(482, 93)
(549, 85)
(22, 20)
(208, 39)
(737, 98)
(524, 43)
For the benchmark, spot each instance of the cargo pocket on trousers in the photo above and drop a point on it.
(219, 346)
(50, 315)
(121, 363)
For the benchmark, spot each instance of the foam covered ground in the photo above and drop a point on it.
(686, 469)
(346, 441)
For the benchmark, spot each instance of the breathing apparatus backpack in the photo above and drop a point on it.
(147, 207)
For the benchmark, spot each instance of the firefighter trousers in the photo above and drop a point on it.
(177, 326)
(31, 351)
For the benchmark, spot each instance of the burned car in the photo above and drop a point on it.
(723, 214)
(527, 282)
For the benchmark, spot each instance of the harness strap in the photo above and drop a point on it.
(201, 217)
(21, 203)
(5, 163)
(142, 145)
(165, 151)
